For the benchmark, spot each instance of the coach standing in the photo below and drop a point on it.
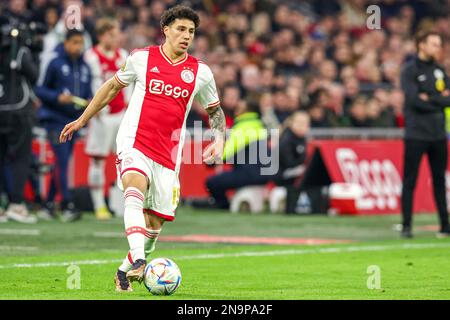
(426, 89)
(66, 80)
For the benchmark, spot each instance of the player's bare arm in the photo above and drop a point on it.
(103, 97)
(214, 151)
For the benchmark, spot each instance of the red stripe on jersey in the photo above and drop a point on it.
(109, 67)
(120, 81)
(164, 107)
(213, 104)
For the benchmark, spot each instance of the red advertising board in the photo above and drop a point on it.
(192, 176)
(377, 166)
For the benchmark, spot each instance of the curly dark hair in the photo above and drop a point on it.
(179, 12)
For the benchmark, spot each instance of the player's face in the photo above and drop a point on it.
(110, 38)
(180, 35)
(300, 125)
(432, 47)
(74, 46)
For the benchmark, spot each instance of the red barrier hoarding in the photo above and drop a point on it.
(192, 176)
(377, 166)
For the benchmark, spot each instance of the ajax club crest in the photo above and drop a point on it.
(187, 75)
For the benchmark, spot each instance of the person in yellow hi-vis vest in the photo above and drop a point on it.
(242, 148)
(447, 120)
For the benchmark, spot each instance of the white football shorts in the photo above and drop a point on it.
(163, 194)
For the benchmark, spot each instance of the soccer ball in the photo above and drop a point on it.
(162, 277)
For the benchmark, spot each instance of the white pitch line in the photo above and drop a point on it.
(20, 232)
(18, 248)
(406, 246)
(109, 234)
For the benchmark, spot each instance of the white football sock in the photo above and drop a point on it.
(150, 241)
(135, 222)
(151, 237)
(127, 263)
(96, 181)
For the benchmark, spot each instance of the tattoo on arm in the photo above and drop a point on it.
(217, 122)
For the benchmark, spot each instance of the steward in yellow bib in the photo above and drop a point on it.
(247, 150)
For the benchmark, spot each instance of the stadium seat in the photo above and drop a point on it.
(277, 197)
(249, 198)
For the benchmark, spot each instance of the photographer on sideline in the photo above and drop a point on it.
(18, 72)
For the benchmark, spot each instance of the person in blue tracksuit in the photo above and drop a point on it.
(66, 79)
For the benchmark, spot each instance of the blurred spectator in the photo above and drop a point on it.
(64, 91)
(320, 115)
(379, 115)
(396, 100)
(351, 89)
(260, 45)
(71, 17)
(230, 99)
(268, 115)
(247, 137)
(358, 116)
(281, 105)
(292, 149)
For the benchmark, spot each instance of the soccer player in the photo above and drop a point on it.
(166, 79)
(104, 60)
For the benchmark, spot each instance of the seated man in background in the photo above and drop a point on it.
(292, 149)
(241, 151)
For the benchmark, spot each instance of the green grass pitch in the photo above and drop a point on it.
(34, 259)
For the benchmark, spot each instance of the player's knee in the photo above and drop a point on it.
(135, 180)
(154, 222)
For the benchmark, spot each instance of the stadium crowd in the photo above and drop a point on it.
(318, 56)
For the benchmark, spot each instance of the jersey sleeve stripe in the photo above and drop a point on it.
(214, 104)
(120, 81)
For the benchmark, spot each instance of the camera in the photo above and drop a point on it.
(15, 34)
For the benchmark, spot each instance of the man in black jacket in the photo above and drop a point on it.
(293, 155)
(425, 86)
(18, 72)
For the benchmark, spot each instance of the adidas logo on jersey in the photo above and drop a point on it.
(154, 69)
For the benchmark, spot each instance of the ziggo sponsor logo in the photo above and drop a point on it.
(159, 87)
(379, 179)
